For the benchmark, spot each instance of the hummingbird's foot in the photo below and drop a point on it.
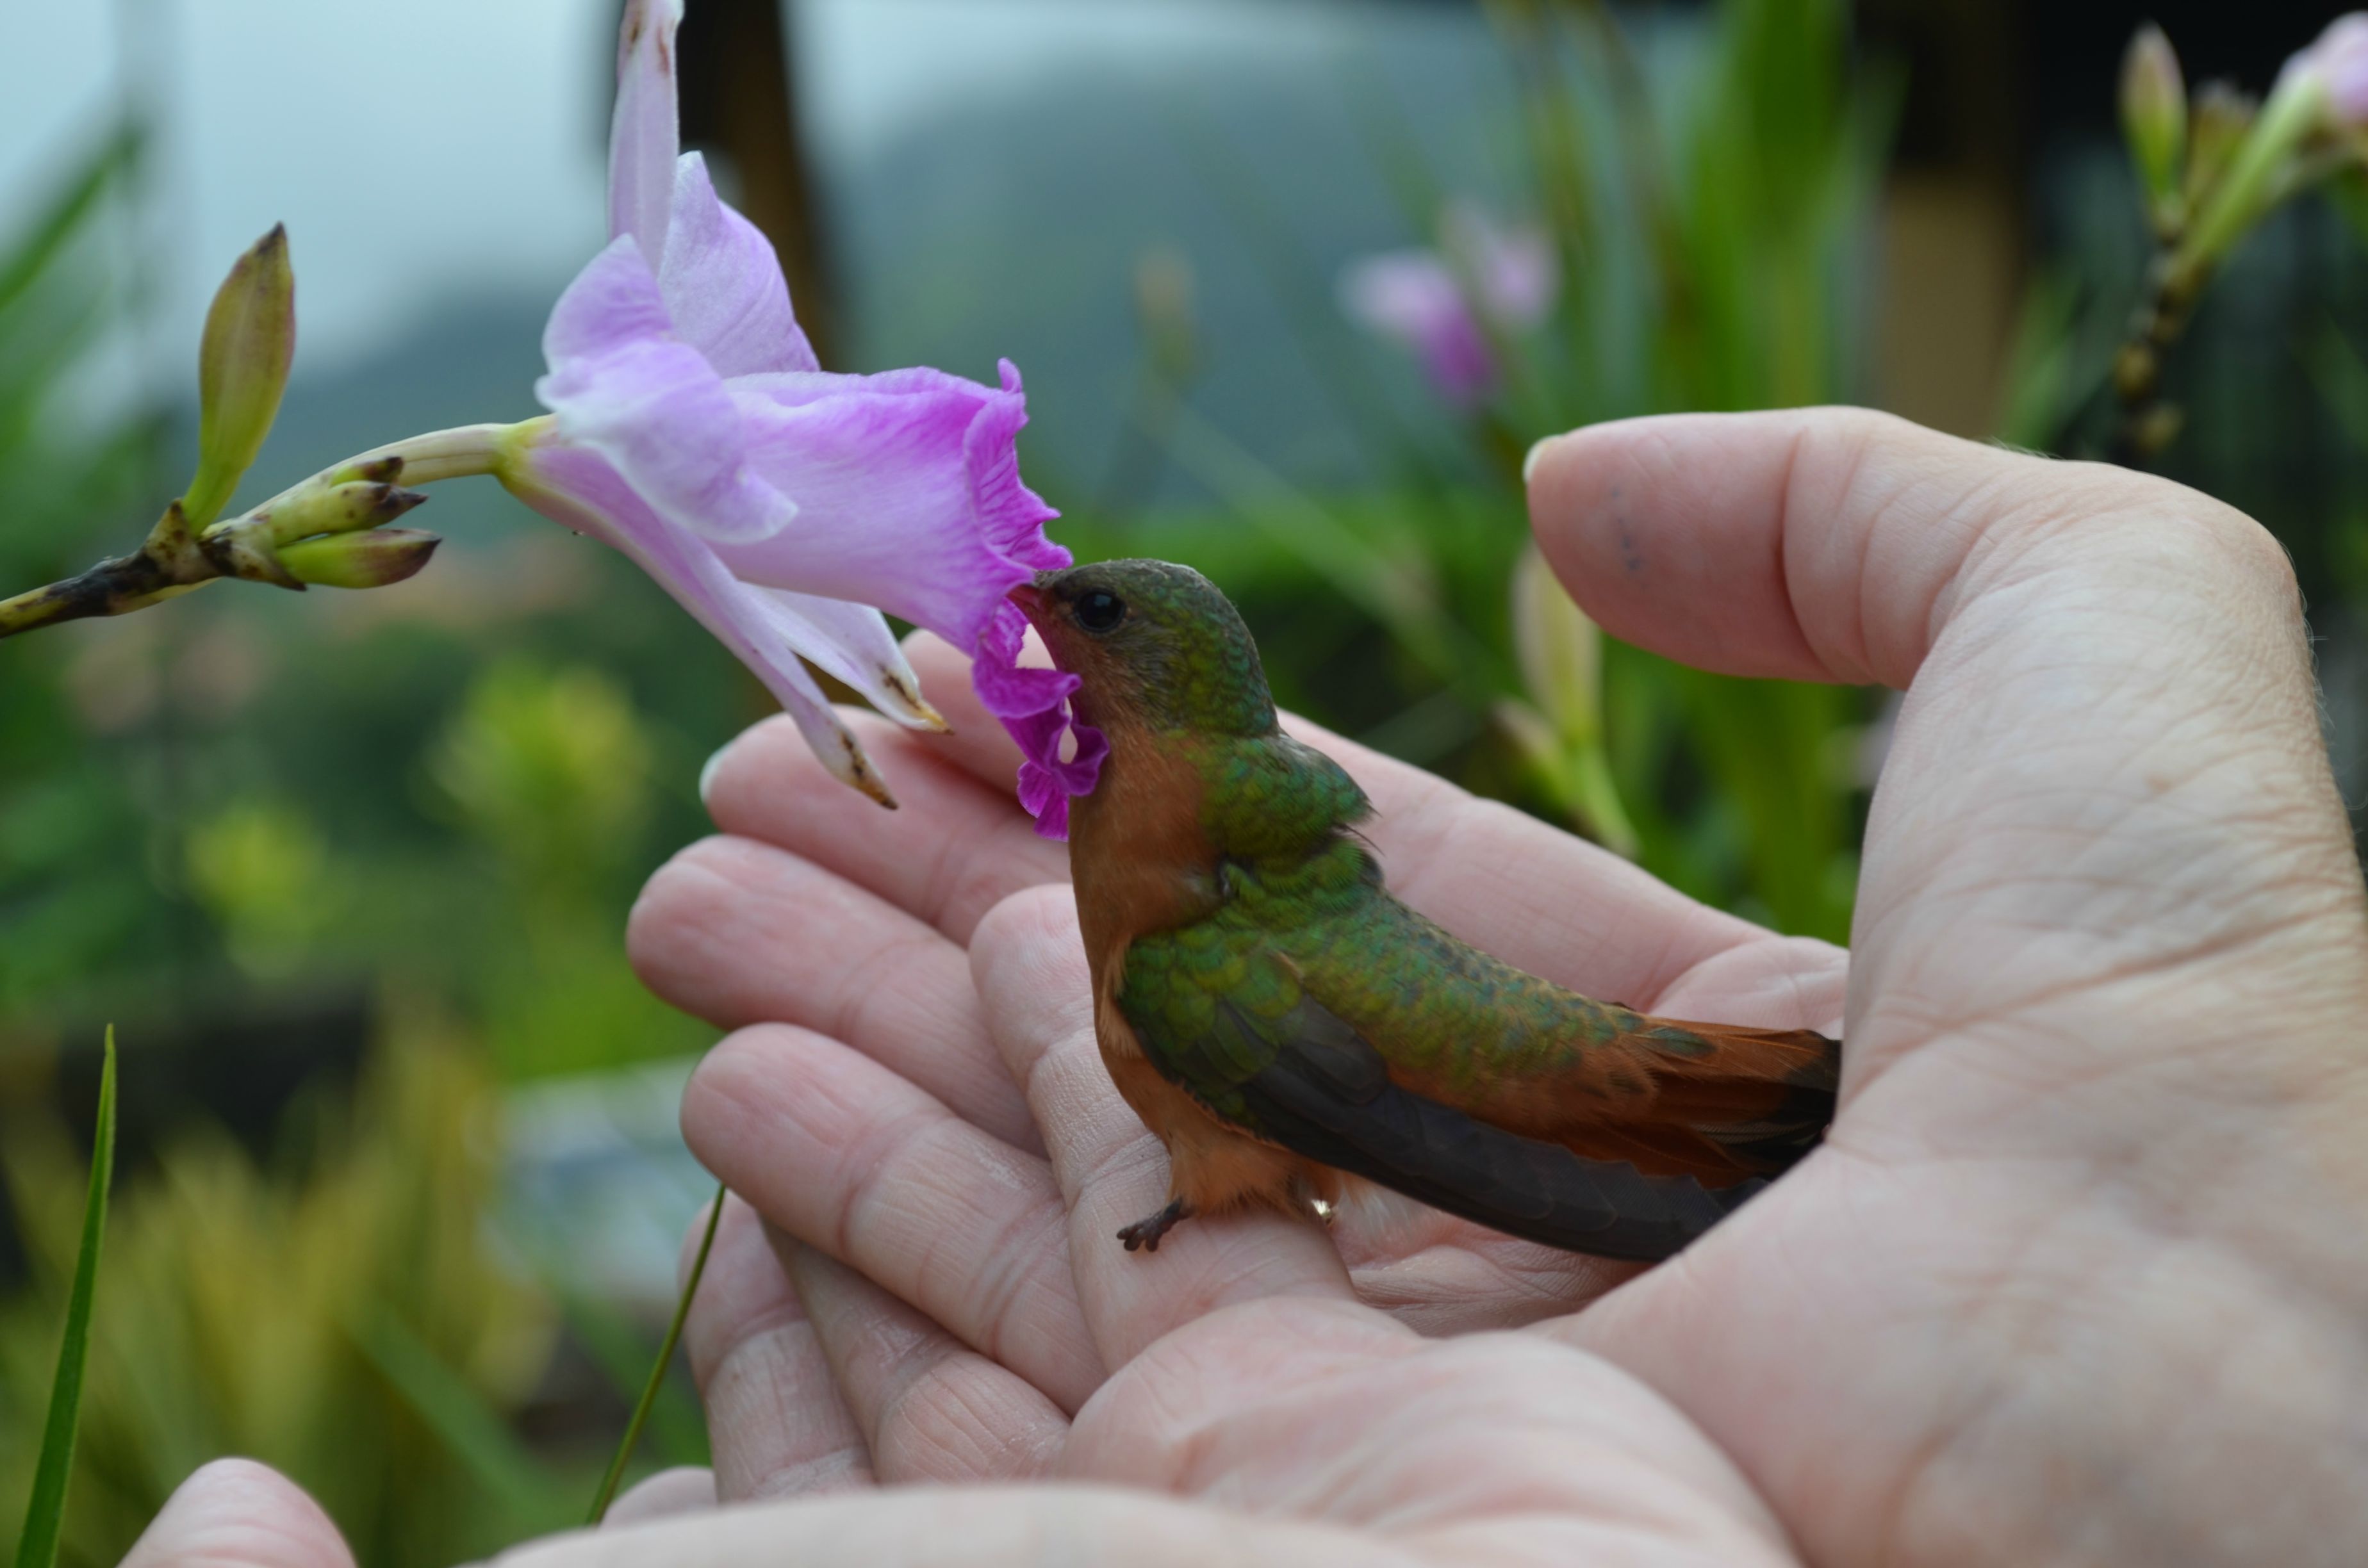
(1145, 1232)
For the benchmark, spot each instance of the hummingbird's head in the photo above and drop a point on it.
(1152, 642)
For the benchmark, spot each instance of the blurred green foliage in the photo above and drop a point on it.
(1709, 189)
(61, 293)
(242, 1303)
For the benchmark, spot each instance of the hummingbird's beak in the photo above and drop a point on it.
(1029, 598)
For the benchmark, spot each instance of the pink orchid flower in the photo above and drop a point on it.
(784, 506)
(1443, 304)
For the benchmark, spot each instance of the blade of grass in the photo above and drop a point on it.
(45, 1514)
(657, 1372)
(620, 1349)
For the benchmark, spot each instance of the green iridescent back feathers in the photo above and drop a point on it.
(1299, 885)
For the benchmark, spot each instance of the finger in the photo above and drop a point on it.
(932, 1408)
(739, 932)
(685, 1489)
(955, 848)
(774, 1416)
(1032, 975)
(2110, 758)
(980, 1527)
(1540, 898)
(1839, 544)
(855, 1161)
(1441, 1276)
(238, 1514)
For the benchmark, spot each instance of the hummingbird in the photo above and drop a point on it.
(1283, 1024)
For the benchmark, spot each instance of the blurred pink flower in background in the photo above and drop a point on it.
(2339, 57)
(1444, 305)
(784, 506)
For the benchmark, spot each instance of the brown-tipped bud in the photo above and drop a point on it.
(313, 508)
(378, 470)
(242, 371)
(2154, 121)
(370, 559)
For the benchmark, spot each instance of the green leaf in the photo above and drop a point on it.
(69, 209)
(45, 1515)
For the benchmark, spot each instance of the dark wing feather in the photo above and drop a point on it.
(1322, 1091)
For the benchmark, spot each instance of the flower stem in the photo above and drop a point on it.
(658, 1372)
(174, 559)
(2146, 424)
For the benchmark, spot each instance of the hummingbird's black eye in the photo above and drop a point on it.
(1099, 609)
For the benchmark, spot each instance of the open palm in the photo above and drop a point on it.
(2076, 1278)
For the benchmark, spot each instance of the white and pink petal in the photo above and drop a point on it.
(578, 490)
(722, 286)
(624, 387)
(852, 642)
(644, 133)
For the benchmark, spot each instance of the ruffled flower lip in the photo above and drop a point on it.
(1034, 705)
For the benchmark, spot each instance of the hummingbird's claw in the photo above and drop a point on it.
(1145, 1232)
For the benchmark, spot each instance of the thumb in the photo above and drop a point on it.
(2108, 769)
(239, 1514)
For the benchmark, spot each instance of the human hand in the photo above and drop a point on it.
(2075, 1279)
(2075, 1276)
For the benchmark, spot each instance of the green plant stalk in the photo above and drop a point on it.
(676, 1433)
(45, 1514)
(633, 1437)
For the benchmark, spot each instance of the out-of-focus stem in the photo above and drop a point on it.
(2269, 165)
(641, 1407)
(360, 491)
(2147, 423)
(1595, 800)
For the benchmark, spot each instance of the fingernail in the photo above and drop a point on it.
(1529, 463)
(707, 773)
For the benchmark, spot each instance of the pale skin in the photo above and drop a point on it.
(2080, 1277)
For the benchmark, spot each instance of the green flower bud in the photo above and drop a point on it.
(2153, 122)
(370, 559)
(314, 508)
(242, 371)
